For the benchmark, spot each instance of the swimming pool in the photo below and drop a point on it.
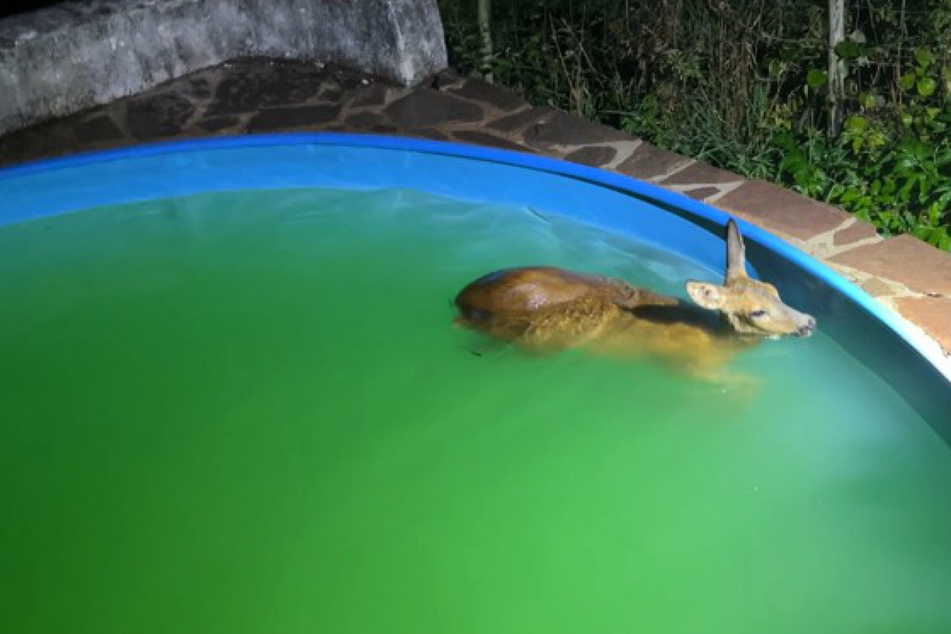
(233, 386)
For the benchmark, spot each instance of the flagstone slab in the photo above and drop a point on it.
(594, 155)
(431, 108)
(649, 162)
(158, 116)
(905, 259)
(481, 91)
(562, 129)
(519, 120)
(484, 138)
(781, 209)
(293, 117)
(260, 87)
(701, 174)
(701, 193)
(932, 314)
(858, 232)
(97, 129)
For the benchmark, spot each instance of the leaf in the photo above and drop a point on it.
(915, 148)
(907, 81)
(856, 124)
(926, 86)
(849, 50)
(849, 195)
(905, 192)
(905, 165)
(776, 68)
(943, 158)
(934, 213)
(924, 57)
(816, 78)
(792, 163)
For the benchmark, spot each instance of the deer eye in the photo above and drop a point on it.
(756, 314)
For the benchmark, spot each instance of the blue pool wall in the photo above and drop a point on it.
(864, 328)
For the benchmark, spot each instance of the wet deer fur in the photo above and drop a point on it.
(546, 309)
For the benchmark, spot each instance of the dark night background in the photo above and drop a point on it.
(11, 7)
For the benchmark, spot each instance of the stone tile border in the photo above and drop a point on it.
(252, 95)
(75, 55)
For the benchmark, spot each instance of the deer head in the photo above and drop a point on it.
(751, 307)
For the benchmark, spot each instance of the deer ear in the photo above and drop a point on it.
(709, 296)
(735, 252)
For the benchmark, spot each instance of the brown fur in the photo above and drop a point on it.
(540, 287)
(547, 309)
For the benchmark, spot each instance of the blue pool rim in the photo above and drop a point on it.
(692, 210)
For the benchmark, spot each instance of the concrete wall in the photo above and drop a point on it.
(60, 60)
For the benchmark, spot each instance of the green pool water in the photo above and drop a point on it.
(250, 412)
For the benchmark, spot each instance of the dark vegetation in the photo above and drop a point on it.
(743, 85)
(13, 7)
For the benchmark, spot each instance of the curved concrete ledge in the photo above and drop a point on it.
(66, 58)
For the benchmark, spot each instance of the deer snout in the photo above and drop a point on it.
(807, 328)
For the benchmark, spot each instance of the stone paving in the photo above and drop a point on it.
(259, 95)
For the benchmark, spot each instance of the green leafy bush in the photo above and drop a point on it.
(742, 86)
(891, 164)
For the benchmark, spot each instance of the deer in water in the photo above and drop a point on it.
(547, 309)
